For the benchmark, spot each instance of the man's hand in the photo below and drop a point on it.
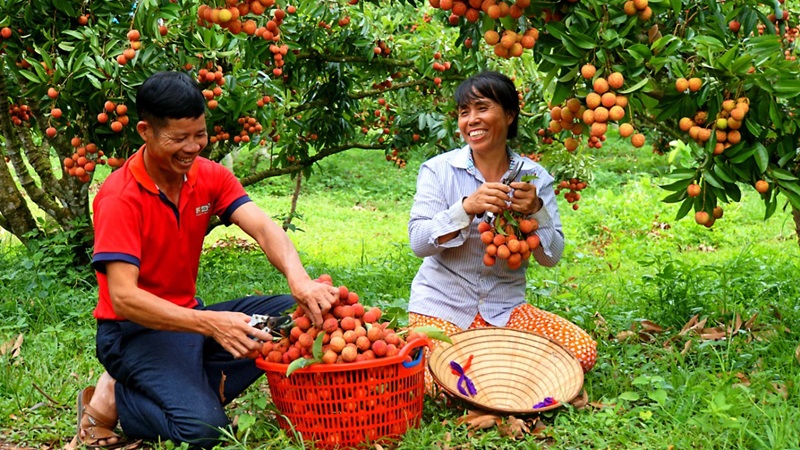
(233, 332)
(315, 298)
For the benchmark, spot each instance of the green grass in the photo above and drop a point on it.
(626, 260)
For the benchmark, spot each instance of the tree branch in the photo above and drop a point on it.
(274, 172)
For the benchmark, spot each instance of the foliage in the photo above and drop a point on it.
(619, 260)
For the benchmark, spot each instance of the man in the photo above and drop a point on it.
(171, 363)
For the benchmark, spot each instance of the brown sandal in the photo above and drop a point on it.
(100, 425)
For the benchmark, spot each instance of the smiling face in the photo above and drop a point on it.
(483, 124)
(172, 148)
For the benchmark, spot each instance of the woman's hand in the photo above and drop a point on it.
(491, 197)
(525, 199)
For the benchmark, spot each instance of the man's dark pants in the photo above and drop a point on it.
(169, 383)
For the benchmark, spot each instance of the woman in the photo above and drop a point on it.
(453, 289)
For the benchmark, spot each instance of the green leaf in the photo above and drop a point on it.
(783, 175)
(629, 396)
(772, 205)
(712, 180)
(762, 157)
(640, 51)
(684, 209)
(561, 92)
(300, 363)
(722, 173)
(659, 396)
(676, 186)
(794, 199)
(434, 333)
(583, 41)
(245, 421)
(33, 78)
(774, 114)
(316, 350)
(65, 6)
(676, 6)
(724, 61)
(561, 60)
(636, 86)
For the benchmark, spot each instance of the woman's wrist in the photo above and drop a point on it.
(539, 205)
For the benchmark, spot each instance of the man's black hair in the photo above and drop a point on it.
(169, 95)
(494, 86)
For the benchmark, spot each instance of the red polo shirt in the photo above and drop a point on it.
(134, 222)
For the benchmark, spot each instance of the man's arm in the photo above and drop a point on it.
(230, 329)
(315, 298)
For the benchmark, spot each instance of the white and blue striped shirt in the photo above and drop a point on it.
(452, 283)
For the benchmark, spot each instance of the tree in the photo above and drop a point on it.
(720, 79)
(299, 82)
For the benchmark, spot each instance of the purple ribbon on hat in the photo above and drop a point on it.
(463, 379)
(548, 401)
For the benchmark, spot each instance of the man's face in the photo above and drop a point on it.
(172, 148)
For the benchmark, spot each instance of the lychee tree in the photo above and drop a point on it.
(715, 84)
(299, 81)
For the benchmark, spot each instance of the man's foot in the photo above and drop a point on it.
(97, 416)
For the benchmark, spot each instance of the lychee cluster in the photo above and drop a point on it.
(725, 126)
(83, 162)
(351, 333)
(20, 114)
(573, 186)
(211, 79)
(600, 107)
(511, 238)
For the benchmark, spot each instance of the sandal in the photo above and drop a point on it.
(100, 425)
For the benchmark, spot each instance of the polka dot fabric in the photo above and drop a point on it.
(529, 318)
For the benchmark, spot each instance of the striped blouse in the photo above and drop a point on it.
(453, 283)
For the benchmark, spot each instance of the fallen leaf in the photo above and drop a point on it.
(686, 347)
(736, 325)
(599, 320)
(780, 389)
(651, 327)
(538, 427)
(797, 353)
(689, 324)
(694, 327)
(12, 347)
(712, 334)
(378, 447)
(581, 400)
(748, 325)
(625, 335)
(598, 405)
(743, 380)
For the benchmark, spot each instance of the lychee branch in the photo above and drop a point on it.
(277, 171)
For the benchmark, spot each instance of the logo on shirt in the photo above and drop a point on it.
(200, 210)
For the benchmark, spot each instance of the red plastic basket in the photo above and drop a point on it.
(344, 405)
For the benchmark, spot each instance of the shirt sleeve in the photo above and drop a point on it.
(117, 233)
(230, 193)
(551, 235)
(432, 216)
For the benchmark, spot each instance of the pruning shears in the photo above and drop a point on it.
(272, 324)
(507, 179)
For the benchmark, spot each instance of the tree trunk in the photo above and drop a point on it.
(796, 217)
(64, 201)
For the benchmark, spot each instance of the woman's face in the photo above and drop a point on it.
(483, 124)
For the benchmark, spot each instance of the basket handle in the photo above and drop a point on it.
(415, 345)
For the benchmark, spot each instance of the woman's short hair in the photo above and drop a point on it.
(494, 86)
(169, 95)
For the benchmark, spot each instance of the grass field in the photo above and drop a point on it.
(626, 261)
